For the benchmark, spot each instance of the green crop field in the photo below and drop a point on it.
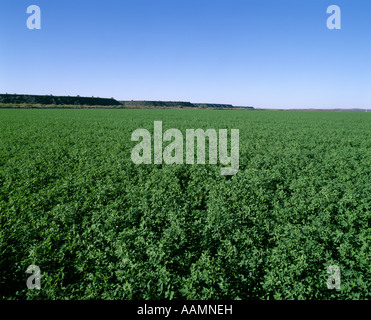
(101, 227)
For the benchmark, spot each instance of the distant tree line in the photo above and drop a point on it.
(212, 105)
(173, 104)
(56, 100)
(177, 104)
(50, 101)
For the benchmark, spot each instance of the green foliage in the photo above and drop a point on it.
(100, 227)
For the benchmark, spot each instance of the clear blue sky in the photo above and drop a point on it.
(264, 53)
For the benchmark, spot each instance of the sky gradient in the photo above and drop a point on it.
(261, 53)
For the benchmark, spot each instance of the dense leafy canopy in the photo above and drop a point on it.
(101, 227)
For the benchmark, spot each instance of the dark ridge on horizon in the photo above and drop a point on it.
(56, 100)
(178, 104)
(51, 101)
(29, 100)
